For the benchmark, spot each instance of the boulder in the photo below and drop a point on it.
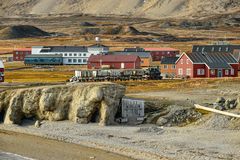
(78, 103)
(230, 104)
(238, 103)
(220, 100)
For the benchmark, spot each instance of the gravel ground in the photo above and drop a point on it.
(145, 142)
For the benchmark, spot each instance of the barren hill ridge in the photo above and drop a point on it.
(155, 9)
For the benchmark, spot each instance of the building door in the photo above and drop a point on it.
(122, 65)
(220, 73)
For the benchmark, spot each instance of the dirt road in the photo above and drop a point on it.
(42, 149)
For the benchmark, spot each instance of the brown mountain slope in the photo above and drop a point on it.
(155, 9)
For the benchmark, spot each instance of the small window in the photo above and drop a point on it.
(173, 66)
(220, 49)
(74, 60)
(80, 55)
(16, 52)
(84, 60)
(232, 71)
(69, 60)
(84, 54)
(188, 72)
(181, 61)
(70, 54)
(187, 61)
(180, 71)
(142, 62)
(75, 54)
(212, 71)
(200, 72)
(79, 60)
(65, 54)
(226, 72)
(227, 49)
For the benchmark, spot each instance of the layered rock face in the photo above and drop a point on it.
(79, 103)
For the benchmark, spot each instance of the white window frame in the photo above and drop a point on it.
(165, 66)
(200, 72)
(212, 72)
(232, 71)
(226, 72)
(188, 71)
(180, 71)
(181, 61)
(173, 66)
(187, 61)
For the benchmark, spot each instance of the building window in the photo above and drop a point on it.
(70, 54)
(220, 49)
(84, 54)
(227, 49)
(74, 60)
(16, 52)
(181, 61)
(84, 60)
(226, 72)
(80, 55)
(173, 66)
(200, 72)
(142, 62)
(165, 66)
(69, 60)
(65, 54)
(187, 61)
(212, 71)
(232, 71)
(79, 60)
(180, 71)
(75, 54)
(188, 72)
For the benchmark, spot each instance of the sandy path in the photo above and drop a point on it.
(42, 149)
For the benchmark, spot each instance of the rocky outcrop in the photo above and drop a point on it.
(78, 103)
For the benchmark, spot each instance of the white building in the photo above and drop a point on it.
(98, 49)
(75, 55)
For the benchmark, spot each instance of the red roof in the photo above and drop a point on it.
(23, 49)
(161, 49)
(113, 58)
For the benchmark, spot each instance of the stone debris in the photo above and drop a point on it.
(226, 104)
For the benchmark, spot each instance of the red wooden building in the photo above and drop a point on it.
(159, 53)
(20, 53)
(114, 61)
(1, 71)
(202, 65)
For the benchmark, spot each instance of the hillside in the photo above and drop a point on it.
(155, 9)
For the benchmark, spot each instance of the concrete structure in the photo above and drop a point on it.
(146, 58)
(1, 71)
(132, 110)
(201, 65)
(20, 53)
(114, 61)
(168, 67)
(159, 53)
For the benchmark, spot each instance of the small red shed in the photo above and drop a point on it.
(114, 61)
(1, 71)
(20, 53)
(159, 53)
(202, 65)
